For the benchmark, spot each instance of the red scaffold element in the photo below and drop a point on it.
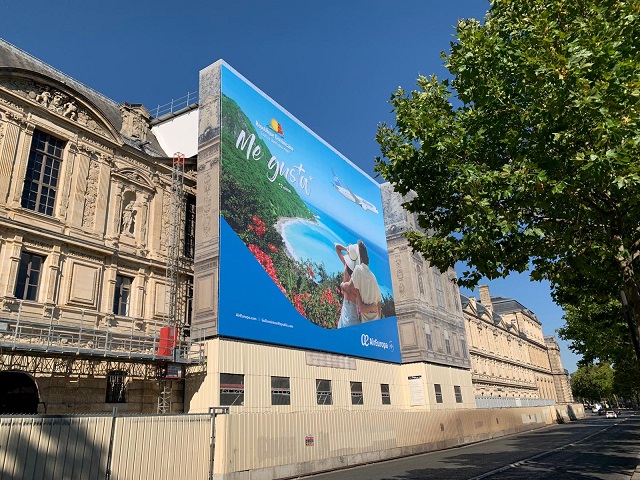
(178, 158)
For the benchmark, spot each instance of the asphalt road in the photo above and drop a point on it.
(591, 448)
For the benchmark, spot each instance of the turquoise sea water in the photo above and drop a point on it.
(315, 241)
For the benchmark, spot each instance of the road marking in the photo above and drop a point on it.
(535, 457)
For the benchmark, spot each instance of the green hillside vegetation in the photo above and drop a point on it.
(251, 205)
(245, 186)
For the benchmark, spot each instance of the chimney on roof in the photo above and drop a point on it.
(485, 297)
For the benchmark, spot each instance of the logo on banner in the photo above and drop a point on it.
(367, 341)
(276, 127)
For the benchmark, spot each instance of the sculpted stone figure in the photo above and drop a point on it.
(44, 98)
(128, 220)
(70, 110)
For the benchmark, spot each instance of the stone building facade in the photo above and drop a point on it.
(560, 374)
(430, 322)
(509, 354)
(84, 215)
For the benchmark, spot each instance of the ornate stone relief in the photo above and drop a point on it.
(6, 304)
(135, 121)
(166, 211)
(91, 194)
(400, 274)
(55, 101)
(207, 206)
(86, 256)
(36, 243)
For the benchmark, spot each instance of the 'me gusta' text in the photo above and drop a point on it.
(294, 175)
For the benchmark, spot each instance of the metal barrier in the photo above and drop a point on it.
(140, 447)
(175, 104)
(512, 402)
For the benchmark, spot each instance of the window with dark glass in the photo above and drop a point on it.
(438, 390)
(463, 347)
(122, 295)
(116, 383)
(190, 226)
(447, 342)
(386, 396)
(28, 276)
(323, 392)
(356, 393)
(43, 170)
(458, 392)
(280, 391)
(188, 300)
(231, 389)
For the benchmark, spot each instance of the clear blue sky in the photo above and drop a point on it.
(332, 64)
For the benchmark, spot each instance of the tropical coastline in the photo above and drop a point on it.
(281, 225)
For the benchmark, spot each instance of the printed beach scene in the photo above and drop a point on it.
(290, 199)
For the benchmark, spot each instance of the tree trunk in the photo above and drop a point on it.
(630, 297)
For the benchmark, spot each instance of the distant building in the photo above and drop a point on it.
(509, 355)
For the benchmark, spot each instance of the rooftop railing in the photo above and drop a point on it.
(175, 105)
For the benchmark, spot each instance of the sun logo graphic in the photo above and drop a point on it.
(276, 127)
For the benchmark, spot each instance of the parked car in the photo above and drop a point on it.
(611, 414)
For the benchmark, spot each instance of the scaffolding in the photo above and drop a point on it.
(174, 294)
(174, 311)
(64, 335)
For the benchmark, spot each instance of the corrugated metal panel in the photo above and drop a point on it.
(162, 447)
(54, 447)
(340, 437)
(77, 447)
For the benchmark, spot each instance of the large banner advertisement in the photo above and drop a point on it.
(303, 253)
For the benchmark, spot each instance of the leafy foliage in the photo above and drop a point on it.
(538, 165)
(593, 382)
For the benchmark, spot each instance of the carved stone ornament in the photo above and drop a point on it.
(55, 101)
(6, 304)
(48, 310)
(135, 121)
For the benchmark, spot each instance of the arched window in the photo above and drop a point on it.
(18, 394)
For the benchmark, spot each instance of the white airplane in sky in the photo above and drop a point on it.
(349, 195)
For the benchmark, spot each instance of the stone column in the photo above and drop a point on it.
(52, 280)
(14, 250)
(108, 291)
(64, 181)
(20, 166)
(80, 158)
(8, 149)
(137, 308)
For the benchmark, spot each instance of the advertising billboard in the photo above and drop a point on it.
(303, 253)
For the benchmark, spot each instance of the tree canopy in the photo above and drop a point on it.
(593, 382)
(527, 157)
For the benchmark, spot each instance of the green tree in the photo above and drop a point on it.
(535, 165)
(593, 382)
